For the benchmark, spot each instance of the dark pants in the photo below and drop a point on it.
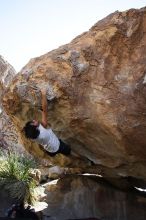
(63, 149)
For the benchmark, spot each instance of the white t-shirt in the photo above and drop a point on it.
(48, 139)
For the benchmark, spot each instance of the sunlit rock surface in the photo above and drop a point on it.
(7, 72)
(9, 138)
(96, 95)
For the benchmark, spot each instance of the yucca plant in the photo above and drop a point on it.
(15, 178)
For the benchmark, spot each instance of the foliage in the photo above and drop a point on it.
(14, 177)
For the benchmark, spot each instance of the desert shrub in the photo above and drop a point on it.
(15, 178)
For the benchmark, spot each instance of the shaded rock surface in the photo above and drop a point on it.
(82, 197)
(5, 202)
(96, 88)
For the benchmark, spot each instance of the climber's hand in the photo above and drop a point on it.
(43, 91)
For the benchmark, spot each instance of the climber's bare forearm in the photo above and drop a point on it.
(44, 109)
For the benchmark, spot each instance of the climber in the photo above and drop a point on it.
(45, 136)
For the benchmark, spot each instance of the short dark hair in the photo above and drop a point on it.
(30, 130)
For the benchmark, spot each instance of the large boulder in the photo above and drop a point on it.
(96, 95)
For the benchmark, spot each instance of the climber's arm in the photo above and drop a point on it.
(44, 108)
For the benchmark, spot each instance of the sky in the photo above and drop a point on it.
(30, 28)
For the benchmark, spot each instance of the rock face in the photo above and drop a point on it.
(8, 133)
(7, 73)
(82, 197)
(96, 95)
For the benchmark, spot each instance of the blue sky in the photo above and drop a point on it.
(30, 28)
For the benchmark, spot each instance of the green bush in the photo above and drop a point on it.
(15, 178)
